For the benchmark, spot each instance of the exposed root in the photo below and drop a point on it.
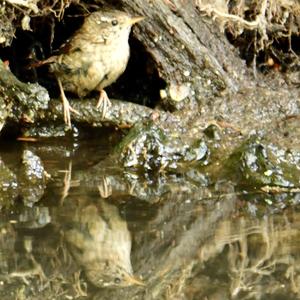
(269, 21)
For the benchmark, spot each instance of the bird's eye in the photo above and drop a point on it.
(117, 280)
(114, 22)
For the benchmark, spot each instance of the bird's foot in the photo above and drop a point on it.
(103, 103)
(67, 109)
(67, 115)
(66, 105)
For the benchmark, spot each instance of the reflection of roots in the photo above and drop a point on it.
(255, 252)
(244, 268)
(50, 276)
(36, 270)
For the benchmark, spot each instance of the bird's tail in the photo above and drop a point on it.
(39, 63)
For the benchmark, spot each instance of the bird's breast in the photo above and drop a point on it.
(114, 64)
(91, 68)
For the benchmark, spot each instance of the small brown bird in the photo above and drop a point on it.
(100, 242)
(94, 57)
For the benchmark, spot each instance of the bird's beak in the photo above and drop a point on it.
(134, 281)
(135, 20)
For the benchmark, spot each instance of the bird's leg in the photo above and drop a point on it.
(67, 182)
(103, 103)
(66, 105)
(105, 188)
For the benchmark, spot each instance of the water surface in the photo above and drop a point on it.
(178, 238)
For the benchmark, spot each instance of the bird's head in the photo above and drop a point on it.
(111, 23)
(110, 274)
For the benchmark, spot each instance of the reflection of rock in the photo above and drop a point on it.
(101, 243)
(8, 185)
(32, 178)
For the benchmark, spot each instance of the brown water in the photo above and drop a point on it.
(182, 238)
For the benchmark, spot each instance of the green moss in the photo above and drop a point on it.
(149, 147)
(255, 163)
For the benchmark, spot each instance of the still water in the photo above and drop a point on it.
(93, 231)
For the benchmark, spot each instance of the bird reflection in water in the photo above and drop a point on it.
(100, 242)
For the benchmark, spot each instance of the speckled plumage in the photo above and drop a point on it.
(100, 242)
(96, 55)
